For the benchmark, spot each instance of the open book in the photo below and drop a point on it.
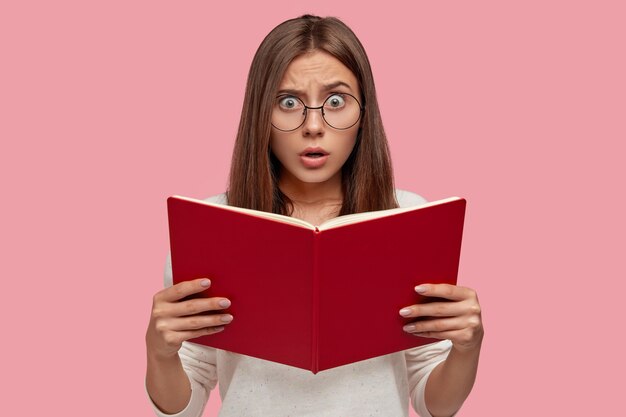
(315, 297)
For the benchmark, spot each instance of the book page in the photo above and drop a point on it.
(329, 224)
(263, 214)
(370, 215)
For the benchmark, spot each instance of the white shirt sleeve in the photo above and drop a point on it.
(199, 364)
(420, 361)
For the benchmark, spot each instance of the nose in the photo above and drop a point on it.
(314, 124)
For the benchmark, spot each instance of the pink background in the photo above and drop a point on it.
(107, 108)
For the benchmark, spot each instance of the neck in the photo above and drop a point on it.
(310, 194)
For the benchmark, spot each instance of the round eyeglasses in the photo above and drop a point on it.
(340, 111)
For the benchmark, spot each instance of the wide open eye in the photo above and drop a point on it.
(335, 102)
(288, 103)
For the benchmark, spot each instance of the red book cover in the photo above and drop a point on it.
(315, 297)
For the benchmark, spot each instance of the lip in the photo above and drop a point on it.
(313, 162)
(310, 162)
(317, 149)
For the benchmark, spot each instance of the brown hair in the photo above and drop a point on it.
(367, 176)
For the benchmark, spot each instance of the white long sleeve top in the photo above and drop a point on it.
(251, 387)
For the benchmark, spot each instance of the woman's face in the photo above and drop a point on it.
(313, 77)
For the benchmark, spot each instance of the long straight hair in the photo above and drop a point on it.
(367, 175)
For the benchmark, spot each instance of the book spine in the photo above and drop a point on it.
(316, 303)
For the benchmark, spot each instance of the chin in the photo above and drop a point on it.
(314, 176)
(313, 179)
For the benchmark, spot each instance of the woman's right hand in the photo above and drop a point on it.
(174, 320)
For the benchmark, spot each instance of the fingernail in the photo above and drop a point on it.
(218, 329)
(224, 303)
(205, 282)
(405, 311)
(420, 289)
(408, 327)
(226, 318)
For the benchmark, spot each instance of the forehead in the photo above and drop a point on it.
(310, 72)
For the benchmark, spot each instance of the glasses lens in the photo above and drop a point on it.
(288, 112)
(341, 111)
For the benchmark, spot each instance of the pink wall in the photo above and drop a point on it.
(105, 110)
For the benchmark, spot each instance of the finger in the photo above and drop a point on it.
(437, 335)
(464, 338)
(435, 309)
(199, 322)
(195, 306)
(447, 291)
(182, 290)
(176, 338)
(202, 332)
(436, 325)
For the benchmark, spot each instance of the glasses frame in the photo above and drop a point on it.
(306, 113)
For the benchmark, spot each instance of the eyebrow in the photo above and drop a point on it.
(325, 87)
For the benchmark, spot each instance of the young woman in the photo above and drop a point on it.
(311, 145)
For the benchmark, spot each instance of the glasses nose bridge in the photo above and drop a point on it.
(306, 112)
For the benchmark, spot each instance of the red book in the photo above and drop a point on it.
(315, 297)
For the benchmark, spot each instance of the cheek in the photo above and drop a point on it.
(279, 145)
(275, 144)
(347, 144)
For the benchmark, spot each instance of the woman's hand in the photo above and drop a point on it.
(174, 320)
(457, 319)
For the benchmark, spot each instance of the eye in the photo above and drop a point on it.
(336, 101)
(288, 103)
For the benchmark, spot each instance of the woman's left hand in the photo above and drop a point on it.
(458, 319)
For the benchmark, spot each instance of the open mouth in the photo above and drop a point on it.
(314, 158)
